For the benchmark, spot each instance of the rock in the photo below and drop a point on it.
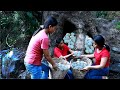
(116, 50)
(24, 75)
(115, 57)
(114, 75)
(81, 22)
(115, 67)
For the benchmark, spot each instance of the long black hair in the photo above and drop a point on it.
(49, 21)
(40, 28)
(58, 41)
(100, 41)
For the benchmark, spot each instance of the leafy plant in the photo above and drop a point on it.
(109, 15)
(101, 14)
(118, 25)
(16, 25)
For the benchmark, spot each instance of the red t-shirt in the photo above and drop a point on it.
(58, 52)
(35, 48)
(103, 53)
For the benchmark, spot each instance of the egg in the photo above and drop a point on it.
(72, 34)
(79, 64)
(67, 34)
(63, 66)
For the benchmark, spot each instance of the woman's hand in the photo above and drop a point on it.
(72, 53)
(87, 68)
(55, 67)
(62, 57)
(81, 56)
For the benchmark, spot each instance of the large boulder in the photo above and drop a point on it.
(80, 22)
(115, 67)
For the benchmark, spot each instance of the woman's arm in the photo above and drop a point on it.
(88, 56)
(71, 51)
(66, 56)
(102, 64)
(48, 57)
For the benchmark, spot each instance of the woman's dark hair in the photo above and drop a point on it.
(49, 21)
(37, 31)
(58, 41)
(100, 41)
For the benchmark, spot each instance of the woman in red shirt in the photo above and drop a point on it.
(62, 51)
(100, 68)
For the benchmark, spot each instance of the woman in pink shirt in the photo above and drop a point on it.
(100, 68)
(38, 46)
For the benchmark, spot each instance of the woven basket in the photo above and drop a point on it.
(59, 74)
(78, 73)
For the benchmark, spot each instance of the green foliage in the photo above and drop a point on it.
(16, 25)
(110, 15)
(101, 14)
(118, 25)
(31, 23)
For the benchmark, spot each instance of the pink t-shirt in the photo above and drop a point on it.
(35, 48)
